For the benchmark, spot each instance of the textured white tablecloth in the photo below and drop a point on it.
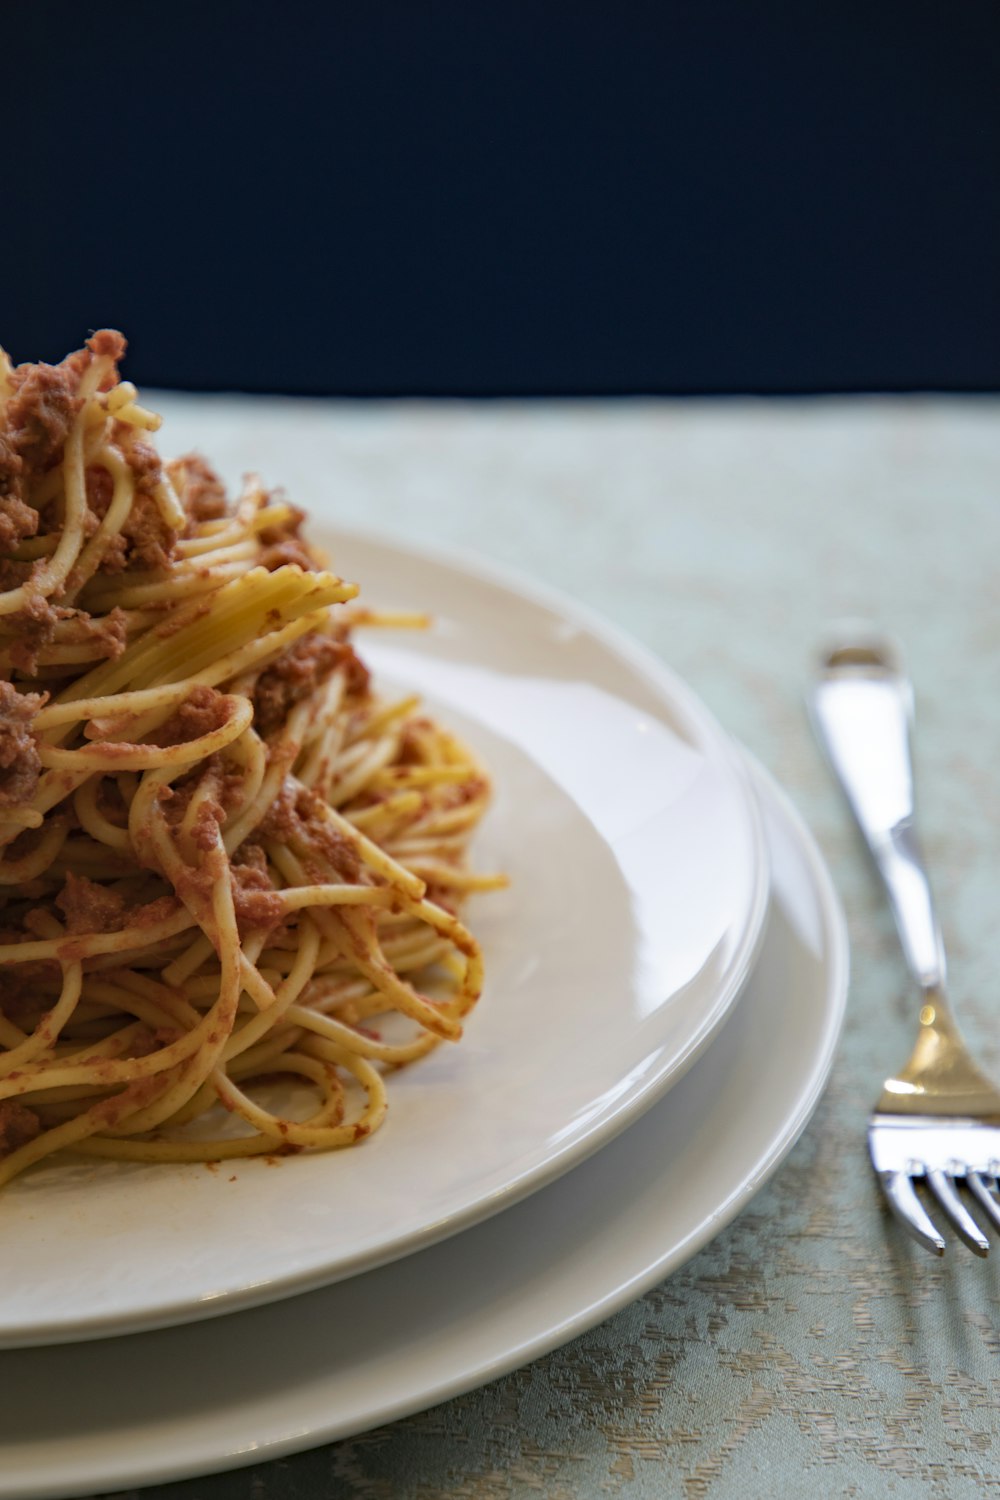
(809, 1350)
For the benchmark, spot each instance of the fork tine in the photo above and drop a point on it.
(898, 1189)
(942, 1185)
(982, 1191)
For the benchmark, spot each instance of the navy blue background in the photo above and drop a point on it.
(497, 197)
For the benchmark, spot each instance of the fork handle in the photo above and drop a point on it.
(862, 709)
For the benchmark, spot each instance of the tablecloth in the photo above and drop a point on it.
(810, 1350)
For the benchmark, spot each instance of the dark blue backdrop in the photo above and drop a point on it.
(493, 196)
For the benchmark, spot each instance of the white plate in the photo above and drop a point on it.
(189, 1400)
(639, 888)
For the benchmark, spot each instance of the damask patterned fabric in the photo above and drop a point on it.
(810, 1350)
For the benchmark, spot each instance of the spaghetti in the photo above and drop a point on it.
(224, 862)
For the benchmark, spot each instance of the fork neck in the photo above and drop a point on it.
(900, 863)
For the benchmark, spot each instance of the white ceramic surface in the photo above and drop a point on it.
(311, 1369)
(639, 885)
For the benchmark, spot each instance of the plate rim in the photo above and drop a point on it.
(592, 1136)
(814, 1077)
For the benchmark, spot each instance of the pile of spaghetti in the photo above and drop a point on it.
(225, 864)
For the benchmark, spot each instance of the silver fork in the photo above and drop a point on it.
(938, 1118)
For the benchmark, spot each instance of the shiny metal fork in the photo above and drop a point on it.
(938, 1118)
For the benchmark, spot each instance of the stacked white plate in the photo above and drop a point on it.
(666, 983)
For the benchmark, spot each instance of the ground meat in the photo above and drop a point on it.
(100, 487)
(336, 849)
(298, 672)
(149, 540)
(153, 912)
(20, 766)
(256, 901)
(143, 459)
(205, 832)
(199, 488)
(221, 780)
(11, 466)
(80, 628)
(412, 742)
(18, 1126)
(284, 545)
(107, 342)
(293, 552)
(114, 558)
(223, 783)
(295, 812)
(36, 422)
(109, 631)
(281, 820)
(203, 710)
(40, 413)
(17, 520)
(89, 907)
(35, 627)
(250, 870)
(146, 540)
